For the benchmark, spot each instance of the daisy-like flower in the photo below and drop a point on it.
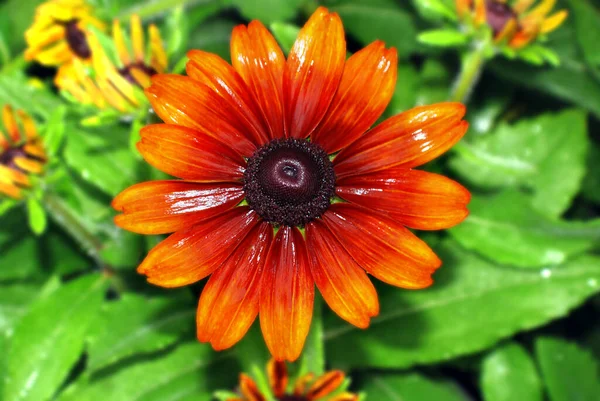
(115, 85)
(284, 186)
(306, 388)
(58, 33)
(518, 23)
(21, 153)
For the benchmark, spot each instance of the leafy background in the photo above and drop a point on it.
(513, 314)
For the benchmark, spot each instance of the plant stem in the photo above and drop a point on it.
(471, 67)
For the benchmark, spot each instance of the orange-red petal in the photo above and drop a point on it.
(160, 207)
(257, 57)
(313, 72)
(249, 389)
(415, 198)
(190, 255)
(216, 73)
(382, 246)
(345, 396)
(287, 296)
(278, 377)
(342, 282)
(366, 88)
(190, 154)
(408, 139)
(325, 385)
(229, 302)
(184, 101)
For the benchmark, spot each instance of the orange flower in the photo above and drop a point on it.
(21, 153)
(306, 387)
(515, 23)
(264, 209)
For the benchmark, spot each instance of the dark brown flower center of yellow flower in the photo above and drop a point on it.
(498, 15)
(7, 158)
(126, 71)
(77, 40)
(289, 182)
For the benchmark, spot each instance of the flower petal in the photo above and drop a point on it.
(229, 302)
(408, 139)
(382, 247)
(190, 255)
(249, 389)
(190, 154)
(325, 385)
(287, 296)
(415, 198)
(345, 396)
(366, 88)
(342, 282)
(160, 207)
(278, 377)
(184, 101)
(214, 72)
(313, 72)
(256, 56)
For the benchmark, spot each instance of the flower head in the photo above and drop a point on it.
(21, 153)
(518, 23)
(105, 83)
(284, 186)
(306, 388)
(58, 33)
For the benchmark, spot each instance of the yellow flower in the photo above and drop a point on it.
(105, 83)
(21, 153)
(58, 32)
(517, 22)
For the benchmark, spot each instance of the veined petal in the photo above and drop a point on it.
(189, 154)
(313, 72)
(365, 90)
(216, 73)
(184, 101)
(383, 247)
(409, 139)
(190, 255)
(325, 385)
(415, 198)
(257, 57)
(287, 296)
(342, 282)
(249, 389)
(159, 207)
(278, 377)
(229, 302)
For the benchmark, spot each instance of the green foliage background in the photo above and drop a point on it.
(513, 314)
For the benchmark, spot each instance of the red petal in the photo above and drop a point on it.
(343, 284)
(184, 101)
(190, 255)
(417, 199)
(366, 89)
(278, 377)
(214, 72)
(408, 139)
(160, 207)
(249, 389)
(313, 72)
(325, 385)
(229, 302)
(190, 154)
(383, 247)
(287, 297)
(256, 56)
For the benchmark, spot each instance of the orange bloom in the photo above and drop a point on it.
(284, 186)
(518, 24)
(306, 387)
(21, 153)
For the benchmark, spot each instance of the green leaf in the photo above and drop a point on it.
(190, 372)
(49, 339)
(36, 216)
(135, 324)
(213, 36)
(18, 92)
(285, 34)
(410, 387)
(534, 154)
(16, 16)
(506, 229)
(313, 355)
(268, 11)
(472, 305)
(591, 182)
(570, 372)
(435, 9)
(509, 374)
(54, 133)
(253, 355)
(14, 301)
(586, 19)
(443, 38)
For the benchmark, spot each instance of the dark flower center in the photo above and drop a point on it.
(292, 398)
(77, 40)
(498, 15)
(7, 158)
(126, 71)
(289, 182)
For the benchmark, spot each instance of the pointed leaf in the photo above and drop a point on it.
(410, 387)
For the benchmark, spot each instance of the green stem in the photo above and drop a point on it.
(471, 67)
